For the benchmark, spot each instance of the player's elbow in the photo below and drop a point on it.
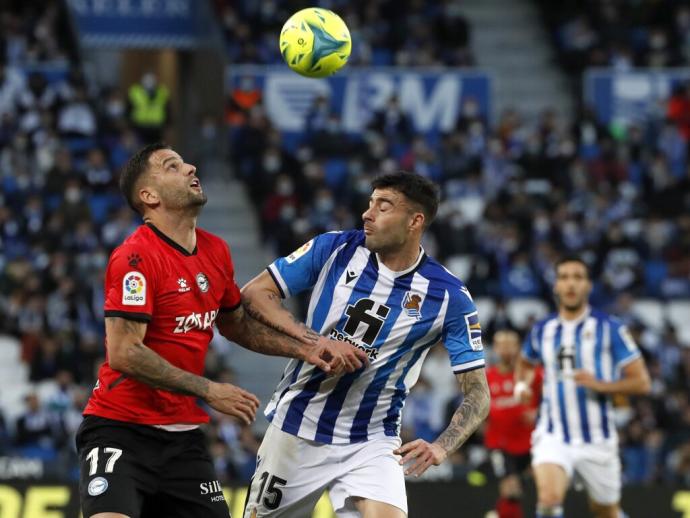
(118, 357)
(645, 385)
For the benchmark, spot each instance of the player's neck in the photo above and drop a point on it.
(181, 229)
(570, 314)
(401, 259)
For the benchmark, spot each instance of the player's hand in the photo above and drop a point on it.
(419, 455)
(231, 400)
(338, 356)
(522, 392)
(587, 379)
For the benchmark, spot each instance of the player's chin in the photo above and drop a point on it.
(198, 199)
(372, 243)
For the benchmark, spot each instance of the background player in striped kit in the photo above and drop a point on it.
(587, 356)
(377, 290)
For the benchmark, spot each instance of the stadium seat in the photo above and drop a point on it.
(460, 266)
(521, 310)
(650, 312)
(678, 314)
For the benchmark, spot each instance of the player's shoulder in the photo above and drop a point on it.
(435, 272)
(606, 318)
(336, 238)
(206, 238)
(539, 324)
(139, 243)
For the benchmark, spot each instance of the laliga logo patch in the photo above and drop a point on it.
(299, 252)
(202, 282)
(474, 331)
(134, 289)
(98, 486)
(412, 304)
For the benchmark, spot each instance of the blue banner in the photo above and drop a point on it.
(432, 99)
(141, 23)
(625, 98)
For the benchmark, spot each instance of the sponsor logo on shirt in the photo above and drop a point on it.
(299, 252)
(134, 289)
(182, 283)
(211, 487)
(474, 331)
(201, 321)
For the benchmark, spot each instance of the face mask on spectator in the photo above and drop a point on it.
(271, 163)
(73, 194)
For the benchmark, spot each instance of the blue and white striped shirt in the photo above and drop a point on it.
(395, 317)
(595, 342)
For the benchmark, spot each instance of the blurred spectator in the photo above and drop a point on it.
(36, 433)
(149, 108)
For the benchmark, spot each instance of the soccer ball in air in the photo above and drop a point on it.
(315, 42)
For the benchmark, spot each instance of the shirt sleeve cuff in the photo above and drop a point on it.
(278, 279)
(469, 366)
(128, 315)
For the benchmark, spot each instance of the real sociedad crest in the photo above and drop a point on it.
(412, 304)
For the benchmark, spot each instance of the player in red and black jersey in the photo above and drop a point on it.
(510, 423)
(140, 448)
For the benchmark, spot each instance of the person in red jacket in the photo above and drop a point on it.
(141, 452)
(509, 425)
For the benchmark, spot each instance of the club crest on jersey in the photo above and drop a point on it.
(202, 282)
(299, 252)
(474, 331)
(134, 289)
(97, 486)
(412, 304)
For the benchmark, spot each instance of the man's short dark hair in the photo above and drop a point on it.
(135, 167)
(572, 259)
(416, 188)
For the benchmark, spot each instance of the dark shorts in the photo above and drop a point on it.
(504, 464)
(145, 472)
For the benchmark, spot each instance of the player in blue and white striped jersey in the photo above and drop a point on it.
(587, 356)
(377, 290)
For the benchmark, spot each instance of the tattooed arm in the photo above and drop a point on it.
(128, 354)
(261, 300)
(240, 327)
(466, 419)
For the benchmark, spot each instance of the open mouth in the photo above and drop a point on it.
(195, 184)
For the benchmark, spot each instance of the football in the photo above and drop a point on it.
(315, 42)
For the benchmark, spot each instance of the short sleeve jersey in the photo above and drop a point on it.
(178, 294)
(395, 317)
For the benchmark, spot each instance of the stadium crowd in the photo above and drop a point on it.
(619, 33)
(515, 197)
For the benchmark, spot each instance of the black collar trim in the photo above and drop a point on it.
(170, 242)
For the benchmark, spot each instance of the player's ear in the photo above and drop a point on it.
(148, 196)
(417, 221)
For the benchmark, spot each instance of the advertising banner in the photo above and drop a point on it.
(432, 98)
(25, 499)
(628, 97)
(180, 24)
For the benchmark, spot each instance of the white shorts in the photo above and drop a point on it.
(597, 464)
(292, 474)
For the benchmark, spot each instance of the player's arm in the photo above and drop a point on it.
(466, 419)
(261, 299)
(524, 378)
(634, 380)
(128, 354)
(240, 327)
